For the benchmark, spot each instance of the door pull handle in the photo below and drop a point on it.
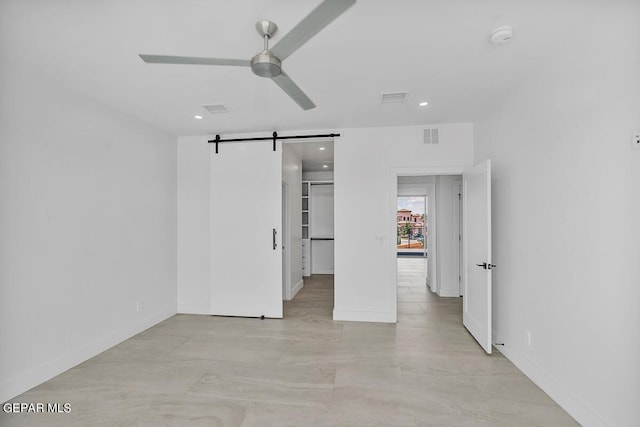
(275, 245)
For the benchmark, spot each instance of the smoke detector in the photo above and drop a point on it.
(501, 35)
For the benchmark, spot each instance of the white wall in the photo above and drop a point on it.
(321, 210)
(318, 176)
(566, 207)
(194, 287)
(88, 226)
(321, 227)
(292, 175)
(367, 162)
(447, 230)
(414, 185)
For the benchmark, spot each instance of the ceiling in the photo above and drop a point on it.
(317, 156)
(436, 50)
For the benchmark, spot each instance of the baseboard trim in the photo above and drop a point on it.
(448, 293)
(364, 316)
(26, 380)
(298, 286)
(194, 308)
(322, 271)
(581, 412)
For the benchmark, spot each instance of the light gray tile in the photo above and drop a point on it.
(268, 383)
(305, 369)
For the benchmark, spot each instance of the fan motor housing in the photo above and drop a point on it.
(265, 64)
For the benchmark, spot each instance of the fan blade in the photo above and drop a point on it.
(163, 59)
(321, 16)
(287, 85)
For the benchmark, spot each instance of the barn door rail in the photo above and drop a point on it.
(274, 137)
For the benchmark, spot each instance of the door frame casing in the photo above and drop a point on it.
(285, 241)
(394, 173)
(460, 213)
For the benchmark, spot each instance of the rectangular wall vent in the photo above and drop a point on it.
(216, 108)
(431, 136)
(393, 97)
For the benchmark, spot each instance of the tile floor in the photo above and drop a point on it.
(303, 370)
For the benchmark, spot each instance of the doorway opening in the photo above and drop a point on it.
(412, 226)
(308, 170)
(428, 265)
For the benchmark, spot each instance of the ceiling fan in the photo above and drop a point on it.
(268, 63)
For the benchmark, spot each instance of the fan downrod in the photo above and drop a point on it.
(265, 64)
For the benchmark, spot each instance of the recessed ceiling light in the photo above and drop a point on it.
(325, 166)
(321, 148)
(198, 117)
(423, 104)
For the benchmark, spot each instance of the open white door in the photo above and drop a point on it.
(246, 217)
(476, 235)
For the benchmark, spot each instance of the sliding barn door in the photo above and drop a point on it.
(246, 217)
(476, 239)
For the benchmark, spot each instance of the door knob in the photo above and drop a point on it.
(486, 266)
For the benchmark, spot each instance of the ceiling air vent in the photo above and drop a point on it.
(216, 108)
(393, 97)
(431, 136)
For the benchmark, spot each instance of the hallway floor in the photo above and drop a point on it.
(303, 370)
